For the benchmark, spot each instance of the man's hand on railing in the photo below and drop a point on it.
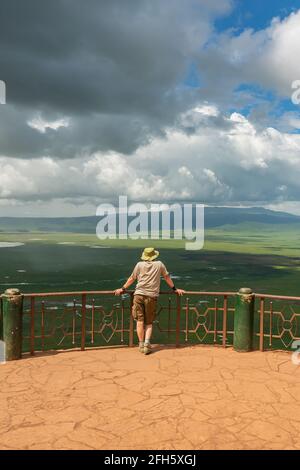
(180, 292)
(119, 291)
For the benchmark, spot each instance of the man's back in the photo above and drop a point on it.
(148, 274)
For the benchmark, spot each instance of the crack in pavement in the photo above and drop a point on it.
(189, 398)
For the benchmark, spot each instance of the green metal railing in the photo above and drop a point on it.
(80, 320)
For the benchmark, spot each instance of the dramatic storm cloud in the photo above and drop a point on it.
(113, 68)
(147, 99)
(219, 164)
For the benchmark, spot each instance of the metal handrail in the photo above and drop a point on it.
(111, 292)
(276, 297)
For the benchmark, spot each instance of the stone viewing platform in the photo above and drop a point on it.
(195, 397)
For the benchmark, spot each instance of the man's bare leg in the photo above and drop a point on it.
(148, 333)
(140, 330)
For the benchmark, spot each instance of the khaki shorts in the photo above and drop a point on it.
(144, 308)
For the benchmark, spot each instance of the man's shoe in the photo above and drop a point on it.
(147, 348)
(141, 347)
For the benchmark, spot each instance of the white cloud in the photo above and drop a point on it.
(207, 110)
(278, 61)
(293, 207)
(184, 171)
(267, 58)
(240, 163)
(41, 125)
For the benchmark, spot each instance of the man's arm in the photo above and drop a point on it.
(172, 285)
(127, 284)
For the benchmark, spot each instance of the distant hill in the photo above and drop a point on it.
(214, 217)
(218, 216)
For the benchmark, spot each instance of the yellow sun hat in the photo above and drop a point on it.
(149, 254)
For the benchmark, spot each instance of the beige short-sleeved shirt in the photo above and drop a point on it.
(148, 274)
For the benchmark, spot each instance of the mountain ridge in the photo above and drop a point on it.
(214, 217)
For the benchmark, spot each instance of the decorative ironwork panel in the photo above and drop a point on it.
(195, 318)
(93, 319)
(61, 322)
(279, 322)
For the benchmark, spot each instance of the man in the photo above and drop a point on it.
(147, 273)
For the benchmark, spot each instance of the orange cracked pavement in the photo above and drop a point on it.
(187, 398)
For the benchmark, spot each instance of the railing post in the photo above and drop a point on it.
(243, 320)
(83, 319)
(178, 312)
(131, 324)
(12, 306)
(1, 319)
(2, 344)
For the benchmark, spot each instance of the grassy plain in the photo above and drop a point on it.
(264, 257)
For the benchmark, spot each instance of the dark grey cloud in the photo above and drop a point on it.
(115, 67)
(84, 135)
